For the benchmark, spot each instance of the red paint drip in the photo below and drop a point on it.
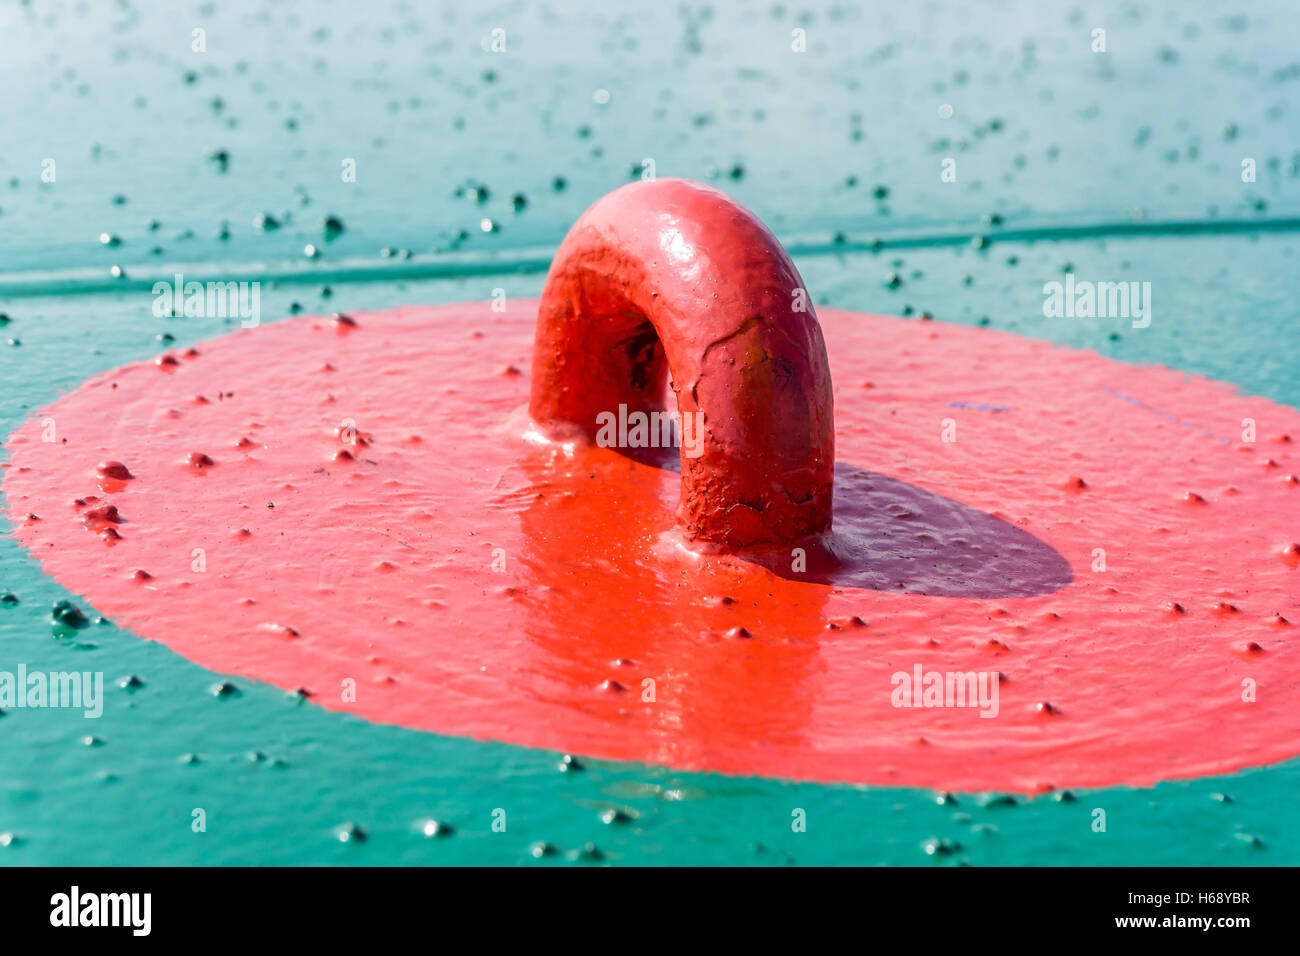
(474, 583)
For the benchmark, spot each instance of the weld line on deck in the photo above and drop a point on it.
(534, 260)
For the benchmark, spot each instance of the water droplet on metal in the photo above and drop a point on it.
(940, 846)
(352, 833)
(115, 470)
(436, 828)
(67, 614)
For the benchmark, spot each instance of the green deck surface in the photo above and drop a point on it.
(1124, 165)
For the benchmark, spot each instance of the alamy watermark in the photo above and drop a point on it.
(651, 430)
(129, 910)
(923, 688)
(1083, 299)
(212, 300)
(76, 689)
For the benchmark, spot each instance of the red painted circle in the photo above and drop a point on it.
(473, 583)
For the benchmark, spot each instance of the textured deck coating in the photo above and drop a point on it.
(1124, 165)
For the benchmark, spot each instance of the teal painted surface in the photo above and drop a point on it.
(276, 776)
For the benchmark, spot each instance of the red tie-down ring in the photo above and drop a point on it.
(671, 277)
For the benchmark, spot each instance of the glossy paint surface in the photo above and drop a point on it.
(375, 530)
(1123, 165)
